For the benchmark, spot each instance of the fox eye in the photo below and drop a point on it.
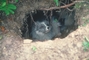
(47, 27)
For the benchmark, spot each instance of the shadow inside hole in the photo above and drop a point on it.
(60, 24)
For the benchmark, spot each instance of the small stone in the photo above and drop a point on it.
(26, 41)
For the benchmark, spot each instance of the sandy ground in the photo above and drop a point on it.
(69, 48)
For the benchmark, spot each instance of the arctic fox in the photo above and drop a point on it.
(43, 30)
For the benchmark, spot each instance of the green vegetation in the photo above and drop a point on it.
(0, 37)
(34, 48)
(86, 43)
(57, 2)
(56, 20)
(78, 5)
(16, 0)
(6, 7)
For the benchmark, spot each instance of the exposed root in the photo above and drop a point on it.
(32, 18)
(53, 8)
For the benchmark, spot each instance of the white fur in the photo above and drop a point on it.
(52, 32)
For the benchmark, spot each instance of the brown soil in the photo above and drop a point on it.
(69, 48)
(13, 47)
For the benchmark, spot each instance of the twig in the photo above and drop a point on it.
(45, 13)
(51, 14)
(65, 6)
(32, 18)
